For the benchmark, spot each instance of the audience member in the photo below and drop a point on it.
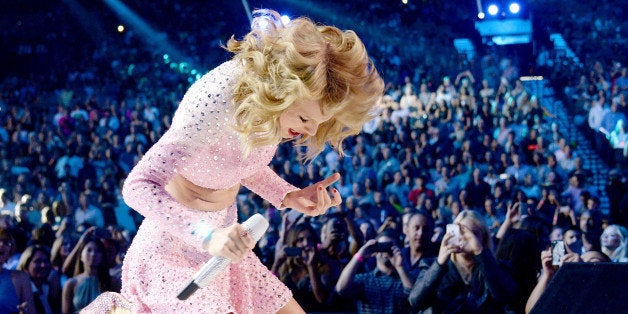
(15, 285)
(465, 277)
(386, 288)
(45, 282)
(614, 241)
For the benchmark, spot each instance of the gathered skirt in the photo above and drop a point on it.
(158, 266)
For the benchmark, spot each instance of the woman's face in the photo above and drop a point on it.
(570, 237)
(39, 267)
(91, 254)
(6, 249)
(303, 117)
(556, 235)
(305, 239)
(610, 238)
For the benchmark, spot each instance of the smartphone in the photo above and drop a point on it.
(384, 247)
(558, 251)
(455, 230)
(293, 251)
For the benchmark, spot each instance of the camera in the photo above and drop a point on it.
(558, 251)
(383, 247)
(293, 251)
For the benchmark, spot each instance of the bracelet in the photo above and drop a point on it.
(208, 238)
(359, 257)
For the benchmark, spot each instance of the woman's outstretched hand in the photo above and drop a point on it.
(314, 200)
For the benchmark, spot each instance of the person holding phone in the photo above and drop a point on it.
(299, 266)
(384, 289)
(552, 259)
(465, 278)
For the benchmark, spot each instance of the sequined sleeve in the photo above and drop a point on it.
(270, 186)
(177, 153)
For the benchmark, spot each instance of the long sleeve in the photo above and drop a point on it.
(144, 190)
(499, 283)
(424, 290)
(196, 147)
(270, 186)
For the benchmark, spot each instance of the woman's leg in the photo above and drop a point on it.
(291, 307)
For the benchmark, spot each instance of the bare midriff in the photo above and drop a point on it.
(198, 197)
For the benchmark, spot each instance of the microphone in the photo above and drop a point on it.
(255, 226)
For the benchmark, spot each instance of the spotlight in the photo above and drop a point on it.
(493, 9)
(285, 19)
(404, 1)
(263, 24)
(481, 15)
(514, 8)
(120, 28)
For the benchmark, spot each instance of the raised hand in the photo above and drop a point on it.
(396, 259)
(314, 200)
(446, 249)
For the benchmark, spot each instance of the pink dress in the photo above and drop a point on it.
(167, 250)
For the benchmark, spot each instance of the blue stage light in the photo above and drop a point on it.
(493, 9)
(514, 8)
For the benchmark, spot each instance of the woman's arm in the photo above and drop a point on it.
(423, 293)
(22, 284)
(69, 262)
(544, 279)
(269, 185)
(67, 295)
(498, 282)
(511, 216)
(321, 293)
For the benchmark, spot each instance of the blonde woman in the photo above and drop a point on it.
(614, 241)
(312, 84)
(465, 278)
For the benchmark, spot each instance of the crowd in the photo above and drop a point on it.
(471, 147)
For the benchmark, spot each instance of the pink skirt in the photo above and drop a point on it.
(158, 266)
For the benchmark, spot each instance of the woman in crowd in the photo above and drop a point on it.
(15, 288)
(299, 266)
(60, 250)
(465, 278)
(614, 240)
(90, 277)
(45, 284)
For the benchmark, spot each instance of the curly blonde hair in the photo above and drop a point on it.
(302, 61)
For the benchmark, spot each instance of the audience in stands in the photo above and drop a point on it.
(460, 140)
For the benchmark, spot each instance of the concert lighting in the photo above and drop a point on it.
(493, 9)
(514, 8)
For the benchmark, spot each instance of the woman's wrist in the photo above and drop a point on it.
(207, 239)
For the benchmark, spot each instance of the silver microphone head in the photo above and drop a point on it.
(256, 226)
